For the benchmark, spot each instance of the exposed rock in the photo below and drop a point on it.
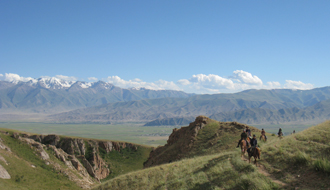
(15, 135)
(3, 173)
(182, 139)
(3, 146)
(100, 168)
(25, 135)
(3, 159)
(107, 146)
(72, 146)
(88, 167)
(38, 138)
(38, 146)
(51, 139)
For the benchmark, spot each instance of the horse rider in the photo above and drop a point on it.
(280, 132)
(253, 143)
(294, 131)
(243, 137)
(248, 131)
(263, 132)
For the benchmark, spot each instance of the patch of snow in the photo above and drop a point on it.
(85, 84)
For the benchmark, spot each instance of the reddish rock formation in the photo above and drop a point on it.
(180, 141)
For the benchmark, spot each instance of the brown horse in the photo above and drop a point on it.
(255, 152)
(244, 147)
(263, 137)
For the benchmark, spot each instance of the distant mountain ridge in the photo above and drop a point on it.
(54, 95)
(251, 106)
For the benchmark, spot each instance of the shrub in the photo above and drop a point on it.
(322, 165)
(300, 158)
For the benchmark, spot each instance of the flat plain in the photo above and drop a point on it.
(135, 133)
(127, 132)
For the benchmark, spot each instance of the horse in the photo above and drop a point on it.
(263, 137)
(244, 147)
(255, 152)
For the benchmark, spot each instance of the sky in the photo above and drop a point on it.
(204, 47)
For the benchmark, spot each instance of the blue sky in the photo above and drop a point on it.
(195, 46)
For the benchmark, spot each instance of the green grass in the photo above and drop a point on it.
(23, 176)
(218, 171)
(322, 165)
(125, 161)
(134, 133)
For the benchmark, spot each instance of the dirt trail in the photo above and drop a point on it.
(263, 171)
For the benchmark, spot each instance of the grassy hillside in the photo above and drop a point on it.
(29, 171)
(299, 161)
(217, 171)
(23, 175)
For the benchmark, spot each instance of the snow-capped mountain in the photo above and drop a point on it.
(54, 83)
(52, 94)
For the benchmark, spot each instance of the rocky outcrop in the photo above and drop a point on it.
(38, 147)
(3, 173)
(72, 146)
(72, 152)
(180, 141)
(51, 139)
(3, 146)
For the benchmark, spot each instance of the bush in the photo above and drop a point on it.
(300, 158)
(322, 165)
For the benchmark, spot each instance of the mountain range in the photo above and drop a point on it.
(102, 102)
(251, 106)
(52, 95)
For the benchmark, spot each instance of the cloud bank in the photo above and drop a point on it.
(200, 83)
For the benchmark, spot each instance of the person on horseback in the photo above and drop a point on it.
(248, 131)
(263, 133)
(280, 132)
(243, 137)
(254, 144)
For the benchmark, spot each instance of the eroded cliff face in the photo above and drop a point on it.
(80, 154)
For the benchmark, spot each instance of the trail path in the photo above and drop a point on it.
(263, 171)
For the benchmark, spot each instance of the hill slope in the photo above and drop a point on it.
(203, 136)
(53, 162)
(299, 161)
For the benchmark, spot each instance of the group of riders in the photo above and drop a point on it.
(251, 142)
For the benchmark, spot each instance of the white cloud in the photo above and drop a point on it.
(11, 77)
(138, 83)
(273, 85)
(240, 80)
(92, 79)
(290, 84)
(67, 78)
(246, 77)
(183, 82)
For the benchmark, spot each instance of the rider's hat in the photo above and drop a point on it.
(254, 135)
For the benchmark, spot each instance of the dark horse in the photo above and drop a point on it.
(255, 152)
